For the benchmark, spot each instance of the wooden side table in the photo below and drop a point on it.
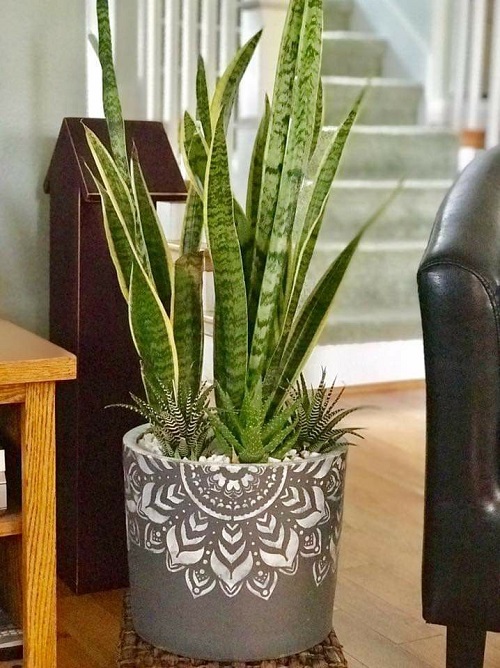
(29, 369)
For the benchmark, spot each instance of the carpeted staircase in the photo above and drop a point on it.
(378, 301)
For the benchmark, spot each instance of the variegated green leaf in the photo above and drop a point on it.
(152, 332)
(230, 321)
(160, 260)
(227, 86)
(275, 146)
(193, 222)
(319, 117)
(311, 319)
(246, 239)
(194, 152)
(256, 167)
(188, 319)
(295, 159)
(118, 244)
(111, 99)
(203, 102)
(316, 203)
(113, 182)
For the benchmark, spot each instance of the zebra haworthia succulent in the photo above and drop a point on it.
(264, 330)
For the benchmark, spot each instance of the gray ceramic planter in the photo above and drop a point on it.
(232, 562)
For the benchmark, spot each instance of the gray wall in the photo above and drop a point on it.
(42, 79)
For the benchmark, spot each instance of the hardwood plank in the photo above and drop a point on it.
(433, 651)
(370, 648)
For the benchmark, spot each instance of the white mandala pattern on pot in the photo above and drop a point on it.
(236, 526)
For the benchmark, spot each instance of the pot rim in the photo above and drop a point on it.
(131, 441)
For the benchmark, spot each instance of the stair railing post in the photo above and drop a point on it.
(270, 15)
(493, 120)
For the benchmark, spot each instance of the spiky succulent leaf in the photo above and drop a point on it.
(298, 143)
(202, 101)
(317, 418)
(110, 96)
(230, 319)
(152, 331)
(227, 86)
(160, 259)
(257, 166)
(188, 318)
(181, 423)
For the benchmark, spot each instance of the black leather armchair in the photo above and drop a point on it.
(459, 291)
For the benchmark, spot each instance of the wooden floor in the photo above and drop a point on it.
(377, 610)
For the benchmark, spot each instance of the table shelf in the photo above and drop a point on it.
(11, 523)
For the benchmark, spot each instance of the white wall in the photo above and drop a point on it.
(42, 79)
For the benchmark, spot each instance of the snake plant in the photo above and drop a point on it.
(264, 328)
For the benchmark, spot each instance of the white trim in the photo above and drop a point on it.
(356, 363)
(367, 363)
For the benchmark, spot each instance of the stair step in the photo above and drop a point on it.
(386, 101)
(409, 216)
(337, 14)
(352, 54)
(375, 326)
(395, 152)
(380, 277)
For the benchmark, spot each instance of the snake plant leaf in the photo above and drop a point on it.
(319, 117)
(256, 167)
(320, 191)
(113, 181)
(152, 332)
(299, 138)
(275, 146)
(203, 101)
(188, 319)
(194, 152)
(118, 244)
(245, 238)
(227, 86)
(312, 318)
(192, 227)
(230, 318)
(160, 259)
(110, 96)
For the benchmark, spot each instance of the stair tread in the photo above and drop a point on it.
(371, 82)
(353, 36)
(413, 130)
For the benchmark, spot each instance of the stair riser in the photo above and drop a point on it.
(397, 155)
(337, 15)
(409, 217)
(353, 57)
(365, 332)
(382, 105)
(375, 280)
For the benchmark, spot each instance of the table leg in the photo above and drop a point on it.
(39, 526)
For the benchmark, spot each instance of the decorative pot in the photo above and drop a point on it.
(232, 562)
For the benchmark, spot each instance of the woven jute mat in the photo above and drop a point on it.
(136, 653)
